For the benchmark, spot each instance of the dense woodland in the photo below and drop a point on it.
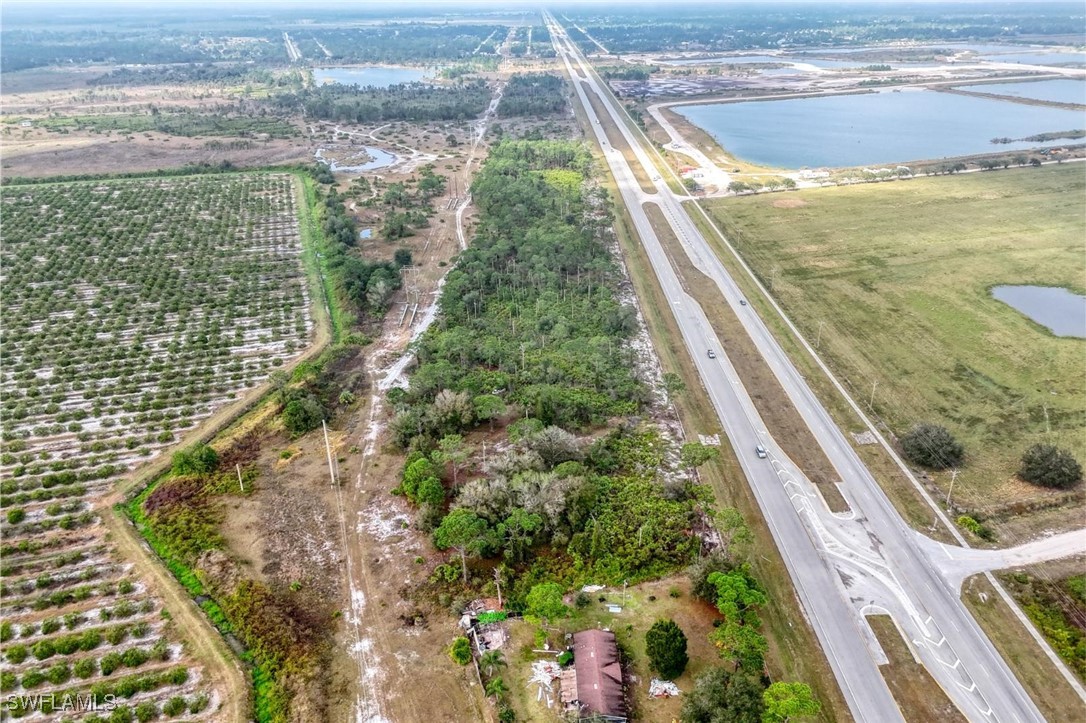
(530, 328)
(755, 25)
(410, 101)
(405, 42)
(533, 95)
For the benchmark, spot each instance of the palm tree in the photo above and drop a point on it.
(497, 688)
(491, 660)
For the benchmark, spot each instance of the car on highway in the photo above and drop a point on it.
(742, 302)
(712, 354)
(760, 451)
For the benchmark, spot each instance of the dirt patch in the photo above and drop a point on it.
(913, 687)
(40, 153)
(774, 406)
(789, 203)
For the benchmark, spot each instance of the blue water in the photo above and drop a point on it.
(378, 159)
(373, 76)
(1060, 311)
(1038, 58)
(1058, 91)
(738, 59)
(873, 129)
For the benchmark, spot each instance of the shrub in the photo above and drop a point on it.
(174, 706)
(1048, 466)
(981, 531)
(665, 644)
(110, 662)
(15, 516)
(302, 414)
(460, 651)
(43, 649)
(58, 674)
(146, 711)
(932, 446)
(33, 679)
(16, 654)
(85, 668)
(198, 703)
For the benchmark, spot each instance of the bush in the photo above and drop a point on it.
(16, 516)
(981, 531)
(1048, 466)
(110, 662)
(174, 706)
(15, 654)
(43, 649)
(85, 668)
(932, 446)
(665, 644)
(196, 460)
(146, 711)
(303, 414)
(460, 651)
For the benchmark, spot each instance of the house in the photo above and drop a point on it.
(597, 677)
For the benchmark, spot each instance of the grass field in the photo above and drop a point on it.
(897, 277)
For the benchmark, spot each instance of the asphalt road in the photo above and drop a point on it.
(843, 566)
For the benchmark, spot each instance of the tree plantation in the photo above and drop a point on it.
(133, 309)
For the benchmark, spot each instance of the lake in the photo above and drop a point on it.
(873, 129)
(1058, 91)
(741, 59)
(1058, 310)
(368, 76)
(1038, 58)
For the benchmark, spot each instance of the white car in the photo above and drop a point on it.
(760, 451)
(712, 354)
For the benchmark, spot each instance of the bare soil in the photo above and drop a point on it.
(38, 153)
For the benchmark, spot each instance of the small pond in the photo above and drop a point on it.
(1059, 310)
(376, 158)
(368, 76)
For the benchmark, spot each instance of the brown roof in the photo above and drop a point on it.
(599, 673)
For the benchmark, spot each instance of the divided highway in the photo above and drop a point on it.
(843, 566)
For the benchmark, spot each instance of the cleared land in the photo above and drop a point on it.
(899, 275)
(134, 310)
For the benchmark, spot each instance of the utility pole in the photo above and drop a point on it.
(1048, 426)
(871, 404)
(818, 341)
(240, 482)
(498, 584)
(953, 476)
(328, 451)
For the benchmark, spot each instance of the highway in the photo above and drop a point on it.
(843, 566)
